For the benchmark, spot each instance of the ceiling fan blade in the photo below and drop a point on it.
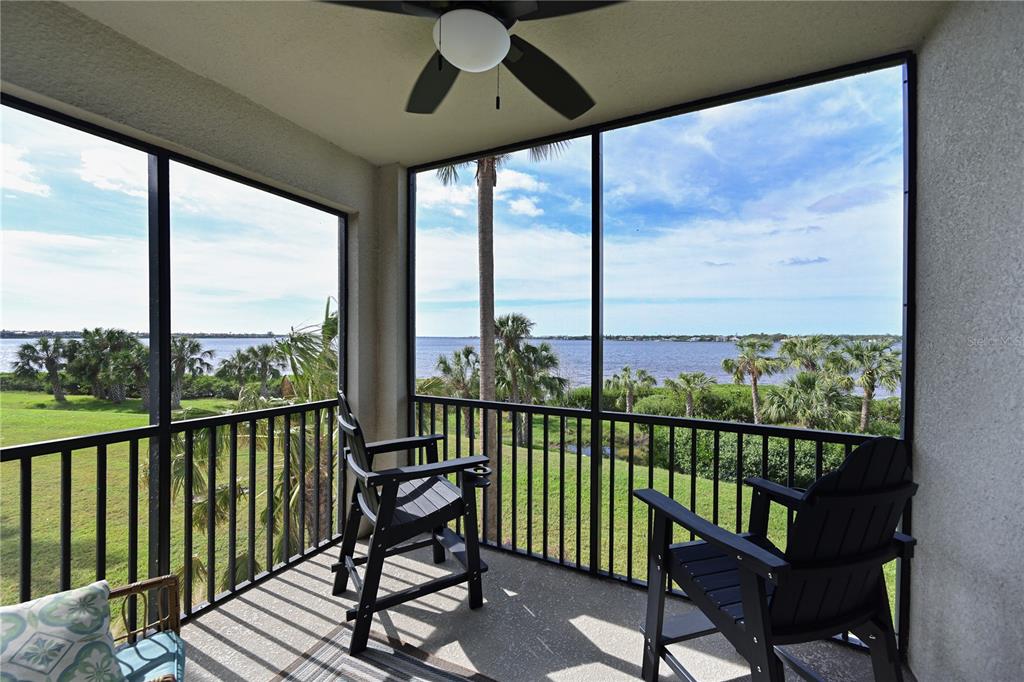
(432, 85)
(531, 11)
(415, 9)
(546, 79)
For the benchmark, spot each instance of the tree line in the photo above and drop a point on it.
(112, 364)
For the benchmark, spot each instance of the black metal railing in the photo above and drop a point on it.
(251, 493)
(540, 500)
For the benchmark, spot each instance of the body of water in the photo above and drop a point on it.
(661, 359)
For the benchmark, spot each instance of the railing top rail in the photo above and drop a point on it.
(50, 447)
(239, 417)
(769, 430)
(505, 407)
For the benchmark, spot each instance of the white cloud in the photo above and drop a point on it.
(19, 175)
(115, 168)
(525, 206)
(511, 180)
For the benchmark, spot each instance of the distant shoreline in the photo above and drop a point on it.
(14, 334)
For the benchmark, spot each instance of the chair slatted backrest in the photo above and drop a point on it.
(846, 517)
(356, 445)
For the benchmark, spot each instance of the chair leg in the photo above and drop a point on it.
(656, 586)
(439, 553)
(348, 547)
(766, 666)
(476, 593)
(879, 635)
(368, 595)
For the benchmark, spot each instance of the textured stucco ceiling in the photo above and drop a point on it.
(345, 73)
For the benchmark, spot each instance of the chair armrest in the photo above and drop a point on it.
(397, 444)
(788, 497)
(748, 554)
(411, 473)
(905, 545)
(167, 603)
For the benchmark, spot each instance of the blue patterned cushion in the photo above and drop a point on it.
(153, 657)
(63, 637)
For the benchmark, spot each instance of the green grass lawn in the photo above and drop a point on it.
(29, 417)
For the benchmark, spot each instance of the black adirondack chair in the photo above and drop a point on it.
(402, 503)
(827, 581)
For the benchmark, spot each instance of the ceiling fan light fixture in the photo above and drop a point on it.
(471, 40)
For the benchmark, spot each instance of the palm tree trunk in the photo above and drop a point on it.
(629, 401)
(55, 385)
(486, 177)
(865, 408)
(756, 398)
(689, 404)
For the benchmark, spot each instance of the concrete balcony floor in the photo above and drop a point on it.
(538, 622)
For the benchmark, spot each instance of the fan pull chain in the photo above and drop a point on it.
(497, 96)
(440, 41)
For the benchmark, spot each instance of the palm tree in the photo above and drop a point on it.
(44, 355)
(461, 378)
(311, 355)
(187, 357)
(486, 179)
(688, 385)
(525, 373)
(266, 362)
(752, 362)
(236, 368)
(629, 385)
(809, 353)
(812, 400)
(877, 362)
(127, 371)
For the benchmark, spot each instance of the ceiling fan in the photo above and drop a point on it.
(474, 37)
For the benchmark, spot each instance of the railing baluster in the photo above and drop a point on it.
(331, 529)
(739, 481)
(611, 491)
(133, 528)
(764, 456)
(25, 542)
(251, 500)
(579, 489)
(529, 482)
(693, 473)
(672, 462)
(270, 494)
(499, 501)
(714, 476)
(211, 515)
(790, 478)
(630, 484)
(65, 519)
(561, 490)
(458, 453)
(515, 477)
(544, 541)
(817, 459)
(187, 530)
(316, 477)
(444, 431)
(286, 490)
(302, 485)
(233, 502)
(101, 512)
(484, 527)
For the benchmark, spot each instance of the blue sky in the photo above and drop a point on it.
(73, 222)
(779, 214)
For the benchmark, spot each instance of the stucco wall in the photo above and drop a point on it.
(55, 56)
(968, 578)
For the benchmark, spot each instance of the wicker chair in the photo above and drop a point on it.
(151, 649)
